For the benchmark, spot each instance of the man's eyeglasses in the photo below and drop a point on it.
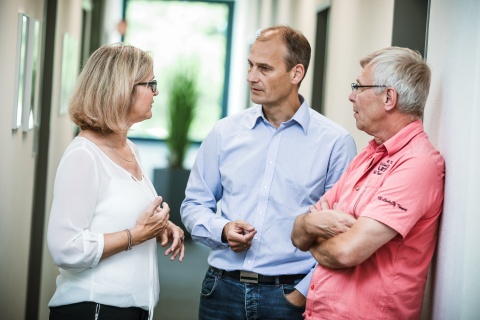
(356, 86)
(151, 84)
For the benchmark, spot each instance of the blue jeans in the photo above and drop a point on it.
(223, 298)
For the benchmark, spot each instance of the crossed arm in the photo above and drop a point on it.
(336, 239)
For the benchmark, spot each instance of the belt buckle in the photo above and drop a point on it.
(249, 277)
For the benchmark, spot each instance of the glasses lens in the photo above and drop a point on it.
(151, 84)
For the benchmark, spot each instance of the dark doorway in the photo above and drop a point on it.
(320, 61)
(410, 24)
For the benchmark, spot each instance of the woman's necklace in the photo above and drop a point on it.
(113, 149)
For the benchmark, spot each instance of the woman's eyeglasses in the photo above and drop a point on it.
(151, 84)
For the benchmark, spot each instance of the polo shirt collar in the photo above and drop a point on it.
(403, 137)
(302, 116)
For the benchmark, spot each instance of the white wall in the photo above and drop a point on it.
(356, 28)
(16, 170)
(243, 34)
(452, 120)
(17, 164)
(111, 18)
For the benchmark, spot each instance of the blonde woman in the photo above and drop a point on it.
(106, 217)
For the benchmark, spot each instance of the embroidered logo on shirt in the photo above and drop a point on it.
(393, 203)
(382, 167)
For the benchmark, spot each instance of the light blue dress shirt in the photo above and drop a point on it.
(266, 177)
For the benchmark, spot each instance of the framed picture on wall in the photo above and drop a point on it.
(31, 70)
(20, 70)
(28, 32)
(70, 69)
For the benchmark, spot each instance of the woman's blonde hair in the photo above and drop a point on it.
(105, 89)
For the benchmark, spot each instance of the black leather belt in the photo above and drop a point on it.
(252, 277)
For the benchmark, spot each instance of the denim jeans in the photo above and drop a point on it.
(223, 298)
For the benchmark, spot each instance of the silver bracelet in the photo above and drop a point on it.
(130, 241)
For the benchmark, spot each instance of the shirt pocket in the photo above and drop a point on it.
(362, 200)
(367, 191)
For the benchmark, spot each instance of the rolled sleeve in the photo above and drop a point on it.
(71, 244)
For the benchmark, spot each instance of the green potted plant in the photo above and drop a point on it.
(182, 101)
(171, 182)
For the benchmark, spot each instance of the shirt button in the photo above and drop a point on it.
(312, 287)
(357, 188)
(310, 314)
(270, 162)
(265, 187)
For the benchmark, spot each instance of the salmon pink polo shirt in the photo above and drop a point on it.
(400, 184)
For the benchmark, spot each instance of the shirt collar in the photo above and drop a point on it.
(400, 139)
(302, 116)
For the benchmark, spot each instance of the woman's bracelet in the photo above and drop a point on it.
(130, 240)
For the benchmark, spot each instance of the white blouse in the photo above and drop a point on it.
(93, 196)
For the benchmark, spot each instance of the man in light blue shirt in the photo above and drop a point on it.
(267, 164)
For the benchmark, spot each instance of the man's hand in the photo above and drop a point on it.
(239, 235)
(328, 223)
(317, 225)
(296, 298)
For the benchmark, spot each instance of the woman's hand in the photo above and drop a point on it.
(152, 223)
(176, 235)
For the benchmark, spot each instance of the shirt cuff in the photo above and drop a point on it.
(101, 245)
(304, 285)
(216, 230)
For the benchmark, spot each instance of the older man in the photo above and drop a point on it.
(377, 269)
